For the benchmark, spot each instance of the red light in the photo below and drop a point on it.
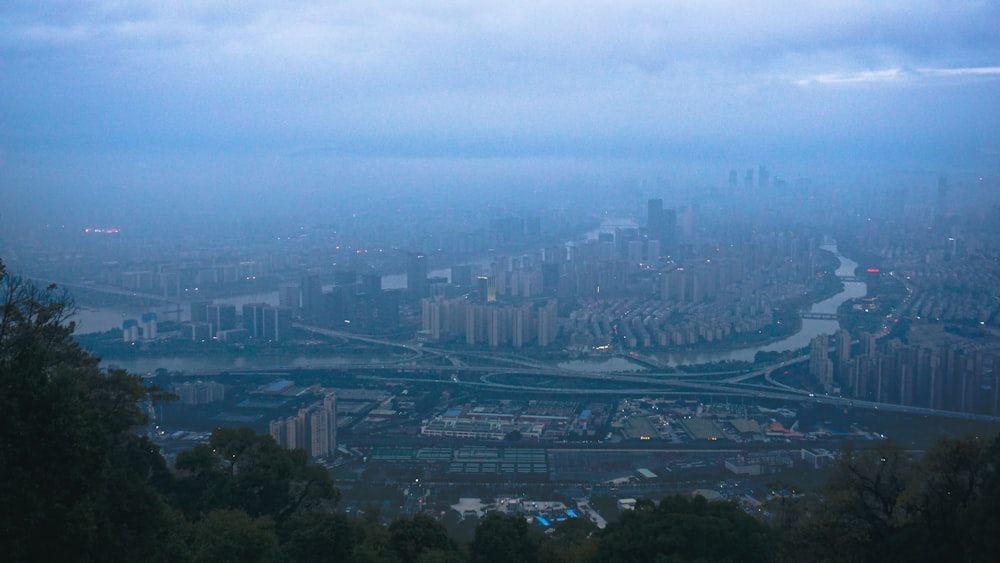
(872, 270)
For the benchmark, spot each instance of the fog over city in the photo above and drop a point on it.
(252, 105)
(499, 281)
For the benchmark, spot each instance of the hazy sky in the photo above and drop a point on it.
(137, 98)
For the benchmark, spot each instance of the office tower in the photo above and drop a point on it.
(253, 319)
(416, 275)
(748, 179)
(733, 179)
(668, 234)
(654, 215)
(277, 323)
(312, 298)
(221, 317)
(661, 224)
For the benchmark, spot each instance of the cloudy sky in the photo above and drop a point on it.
(119, 96)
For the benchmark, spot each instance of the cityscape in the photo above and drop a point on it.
(667, 347)
(526, 282)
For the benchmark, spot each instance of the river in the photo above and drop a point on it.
(811, 328)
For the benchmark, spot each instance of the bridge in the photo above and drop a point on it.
(820, 316)
(141, 297)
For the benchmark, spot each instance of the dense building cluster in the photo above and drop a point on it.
(313, 428)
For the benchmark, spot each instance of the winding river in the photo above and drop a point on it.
(810, 327)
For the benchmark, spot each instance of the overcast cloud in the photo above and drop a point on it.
(152, 95)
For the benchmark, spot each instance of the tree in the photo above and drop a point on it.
(680, 529)
(76, 480)
(979, 522)
(234, 536)
(501, 538)
(410, 538)
(239, 469)
(572, 541)
(950, 481)
(863, 513)
(317, 536)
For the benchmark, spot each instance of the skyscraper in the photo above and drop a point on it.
(661, 224)
(221, 317)
(416, 275)
(654, 215)
(312, 297)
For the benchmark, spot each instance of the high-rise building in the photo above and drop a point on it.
(313, 429)
(312, 298)
(416, 275)
(253, 319)
(843, 346)
(221, 317)
(820, 365)
(130, 330)
(869, 344)
(265, 321)
(277, 323)
(654, 215)
(548, 323)
(149, 326)
(661, 224)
